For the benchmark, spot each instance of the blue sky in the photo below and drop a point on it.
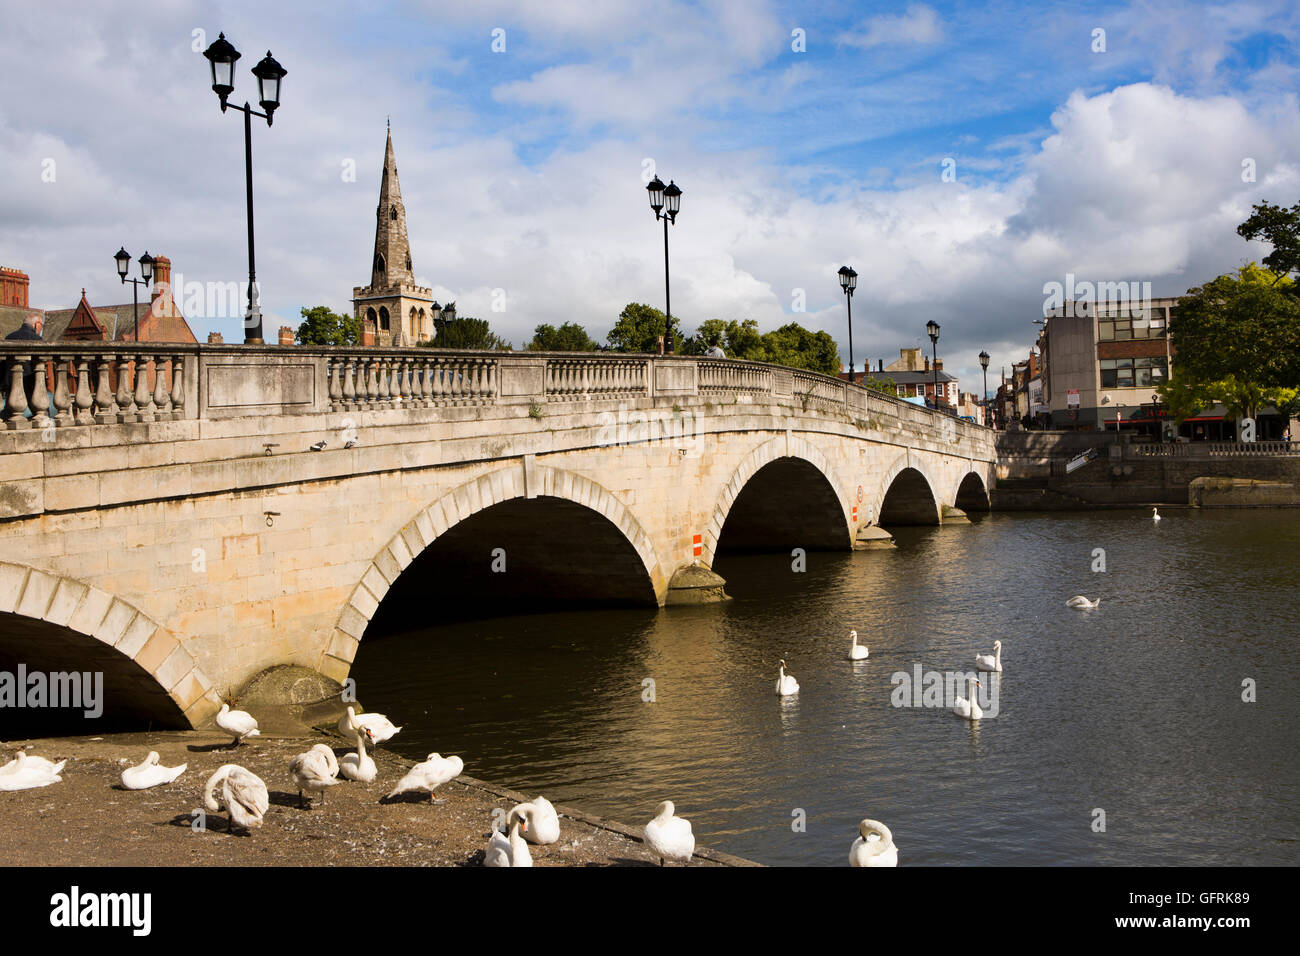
(522, 170)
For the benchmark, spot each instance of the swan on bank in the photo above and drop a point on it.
(360, 766)
(149, 774)
(237, 722)
(316, 769)
(240, 792)
(380, 727)
(543, 822)
(513, 851)
(29, 773)
(429, 775)
(669, 837)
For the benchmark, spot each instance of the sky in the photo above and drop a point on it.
(959, 156)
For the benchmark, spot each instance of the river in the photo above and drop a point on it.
(1121, 735)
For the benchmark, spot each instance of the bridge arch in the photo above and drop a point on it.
(972, 494)
(501, 486)
(788, 446)
(915, 500)
(47, 620)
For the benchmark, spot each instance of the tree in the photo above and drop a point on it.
(465, 333)
(570, 337)
(320, 326)
(1241, 398)
(637, 330)
(883, 384)
(740, 340)
(797, 347)
(1278, 226)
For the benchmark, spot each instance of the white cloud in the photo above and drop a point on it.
(920, 24)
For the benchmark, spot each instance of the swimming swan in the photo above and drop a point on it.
(874, 847)
(786, 684)
(968, 709)
(670, 837)
(1082, 603)
(29, 773)
(381, 728)
(1155, 514)
(990, 662)
(241, 792)
(857, 652)
(150, 774)
(316, 769)
(237, 722)
(512, 851)
(430, 775)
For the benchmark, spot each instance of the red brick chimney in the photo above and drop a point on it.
(938, 364)
(214, 338)
(927, 363)
(13, 287)
(286, 335)
(162, 278)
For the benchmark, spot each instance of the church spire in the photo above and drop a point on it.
(391, 265)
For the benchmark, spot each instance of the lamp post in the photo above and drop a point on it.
(984, 364)
(222, 56)
(670, 196)
(849, 282)
(123, 259)
(932, 327)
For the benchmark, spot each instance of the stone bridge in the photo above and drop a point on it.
(165, 519)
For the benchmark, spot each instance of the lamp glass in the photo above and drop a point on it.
(123, 259)
(146, 267)
(673, 196)
(656, 191)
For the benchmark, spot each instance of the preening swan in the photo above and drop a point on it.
(857, 651)
(316, 770)
(670, 837)
(150, 774)
(430, 775)
(968, 709)
(237, 722)
(786, 684)
(543, 822)
(1155, 514)
(512, 851)
(874, 847)
(241, 792)
(359, 766)
(380, 727)
(1082, 603)
(29, 773)
(990, 662)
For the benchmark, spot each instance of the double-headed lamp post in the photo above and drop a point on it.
(269, 73)
(671, 197)
(932, 327)
(123, 259)
(849, 282)
(984, 364)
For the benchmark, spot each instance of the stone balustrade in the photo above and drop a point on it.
(76, 384)
(1213, 449)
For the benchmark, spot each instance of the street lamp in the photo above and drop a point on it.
(670, 196)
(984, 364)
(849, 282)
(222, 56)
(123, 259)
(932, 327)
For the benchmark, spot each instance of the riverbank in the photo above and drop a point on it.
(87, 819)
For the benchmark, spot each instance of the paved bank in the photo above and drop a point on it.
(88, 820)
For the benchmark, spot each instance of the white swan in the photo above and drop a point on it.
(512, 851)
(241, 792)
(359, 766)
(149, 774)
(380, 727)
(237, 722)
(857, 651)
(874, 847)
(990, 662)
(316, 769)
(543, 822)
(786, 684)
(29, 773)
(968, 709)
(669, 837)
(430, 775)
(1082, 603)
(1155, 514)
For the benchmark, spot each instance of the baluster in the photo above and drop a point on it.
(491, 380)
(476, 383)
(160, 395)
(126, 410)
(105, 408)
(143, 399)
(349, 388)
(16, 404)
(178, 386)
(426, 382)
(40, 392)
(372, 381)
(335, 386)
(407, 392)
(62, 397)
(85, 397)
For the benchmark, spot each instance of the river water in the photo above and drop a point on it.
(1134, 709)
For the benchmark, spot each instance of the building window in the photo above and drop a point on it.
(379, 264)
(383, 319)
(392, 212)
(1133, 372)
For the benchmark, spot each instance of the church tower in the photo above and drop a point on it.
(392, 308)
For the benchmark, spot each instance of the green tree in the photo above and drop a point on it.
(569, 337)
(1241, 398)
(465, 333)
(883, 384)
(638, 329)
(797, 347)
(320, 326)
(1281, 227)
